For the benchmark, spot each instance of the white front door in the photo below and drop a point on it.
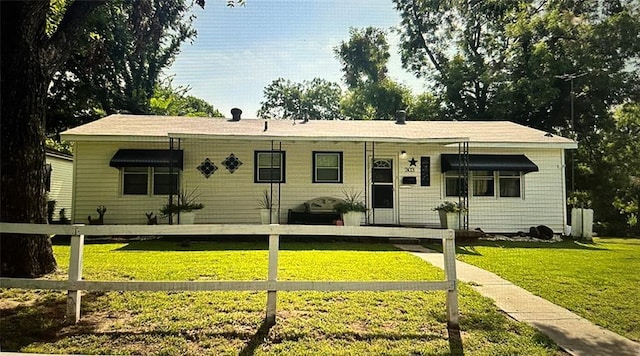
(383, 201)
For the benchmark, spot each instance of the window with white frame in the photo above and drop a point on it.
(452, 184)
(327, 167)
(269, 167)
(483, 183)
(506, 184)
(138, 180)
(510, 184)
(165, 181)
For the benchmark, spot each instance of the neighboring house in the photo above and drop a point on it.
(60, 181)
(403, 169)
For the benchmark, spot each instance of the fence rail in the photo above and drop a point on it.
(75, 284)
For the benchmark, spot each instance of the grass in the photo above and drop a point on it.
(599, 281)
(405, 323)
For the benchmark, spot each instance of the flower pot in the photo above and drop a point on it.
(187, 217)
(448, 220)
(264, 216)
(352, 218)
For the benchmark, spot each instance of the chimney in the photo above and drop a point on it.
(235, 114)
(401, 117)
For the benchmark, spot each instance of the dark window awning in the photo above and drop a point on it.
(147, 158)
(520, 163)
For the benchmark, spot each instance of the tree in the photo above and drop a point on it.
(35, 46)
(364, 57)
(425, 107)
(317, 99)
(376, 101)
(505, 60)
(615, 178)
(168, 100)
(372, 95)
(116, 67)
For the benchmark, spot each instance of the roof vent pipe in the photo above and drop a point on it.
(235, 113)
(401, 117)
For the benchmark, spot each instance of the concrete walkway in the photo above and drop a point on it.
(571, 332)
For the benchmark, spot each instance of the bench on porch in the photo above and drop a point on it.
(317, 211)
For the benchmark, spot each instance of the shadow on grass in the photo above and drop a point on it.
(257, 339)
(244, 243)
(39, 321)
(470, 247)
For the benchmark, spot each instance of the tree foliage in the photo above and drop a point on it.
(116, 67)
(503, 59)
(364, 57)
(317, 99)
(372, 94)
(167, 100)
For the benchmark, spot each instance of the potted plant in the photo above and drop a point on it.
(352, 209)
(581, 215)
(268, 215)
(184, 206)
(449, 213)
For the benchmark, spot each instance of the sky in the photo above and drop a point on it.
(239, 51)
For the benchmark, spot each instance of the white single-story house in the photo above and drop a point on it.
(59, 182)
(515, 175)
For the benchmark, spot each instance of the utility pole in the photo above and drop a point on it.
(570, 77)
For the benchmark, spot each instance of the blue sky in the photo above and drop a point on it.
(240, 50)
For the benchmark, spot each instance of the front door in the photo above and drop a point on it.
(382, 191)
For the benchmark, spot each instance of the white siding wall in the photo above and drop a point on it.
(61, 184)
(233, 198)
(98, 184)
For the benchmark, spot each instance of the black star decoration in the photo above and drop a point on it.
(412, 162)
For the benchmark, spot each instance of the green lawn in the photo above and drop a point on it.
(598, 281)
(356, 323)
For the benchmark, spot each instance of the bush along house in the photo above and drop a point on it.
(508, 177)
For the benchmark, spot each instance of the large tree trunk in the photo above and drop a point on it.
(24, 83)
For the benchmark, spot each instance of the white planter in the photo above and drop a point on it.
(352, 218)
(582, 223)
(264, 216)
(187, 217)
(448, 220)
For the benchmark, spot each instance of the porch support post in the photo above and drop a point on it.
(75, 275)
(449, 249)
(274, 243)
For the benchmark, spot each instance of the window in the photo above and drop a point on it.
(382, 171)
(509, 182)
(269, 167)
(164, 181)
(452, 184)
(137, 180)
(483, 183)
(327, 167)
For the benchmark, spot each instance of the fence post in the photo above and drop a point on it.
(75, 274)
(274, 245)
(449, 249)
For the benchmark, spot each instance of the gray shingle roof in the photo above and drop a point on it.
(128, 127)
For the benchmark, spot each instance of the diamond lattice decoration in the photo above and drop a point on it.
(232, 163)
(207, 168)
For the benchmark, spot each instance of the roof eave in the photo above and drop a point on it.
(562, 145)
(114, 138)
(444, 140)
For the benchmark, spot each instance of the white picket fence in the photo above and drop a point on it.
(75, 284)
